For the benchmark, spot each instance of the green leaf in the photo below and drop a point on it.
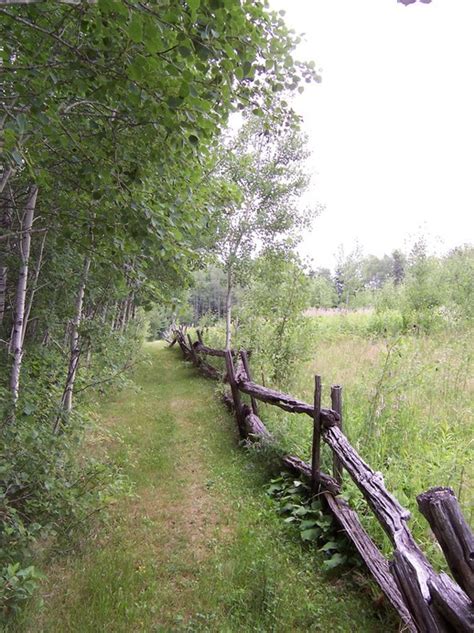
(113, 6)
(194, 4)
(137, 69)
(152, 37)
(330, 545)
(184, 90)
(301, 511)
(9, 139)
(335, 560)
(273, 488)
(311, 534)
(135, 28)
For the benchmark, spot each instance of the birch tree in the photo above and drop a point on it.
(75, 349)
(16, 341)
(262, 177)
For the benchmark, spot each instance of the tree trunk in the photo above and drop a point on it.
(129, 308)
(16, 345)
(104, 313)
(45, 339)
(3, 290)
(122, 313)
(33, 289)
(4, 178)
(75, 350)
(114, 317)
(228, 310)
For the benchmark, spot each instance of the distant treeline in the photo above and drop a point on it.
(415, 283)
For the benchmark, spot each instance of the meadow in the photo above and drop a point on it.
(407, 407)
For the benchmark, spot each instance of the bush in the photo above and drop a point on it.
(46, 492)
(48, 485)
(273, 325)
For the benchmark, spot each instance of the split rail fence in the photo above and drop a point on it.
(426, 601)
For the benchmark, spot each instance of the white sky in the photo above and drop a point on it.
(391, 125)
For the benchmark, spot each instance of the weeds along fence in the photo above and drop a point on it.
(426, 601)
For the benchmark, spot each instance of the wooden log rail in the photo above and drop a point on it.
(200, 348)
(426, 602)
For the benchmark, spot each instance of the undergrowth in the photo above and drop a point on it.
(52, 484)
(304, 514)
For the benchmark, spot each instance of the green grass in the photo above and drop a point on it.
(199, 545)
(407, 409)
(408, 406)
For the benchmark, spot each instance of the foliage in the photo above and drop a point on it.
(428, 292)
(271, 317)
(17, 585)
(323, 292)
(348, 275)
(162, 317)
(458, 272)
(263, 169)
(304, 512)
(406, 408)
(208, 293)
(261, 176)
(46, 493)
(111, 111)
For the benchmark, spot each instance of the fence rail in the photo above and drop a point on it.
(427, 602)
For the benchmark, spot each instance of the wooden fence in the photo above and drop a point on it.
(426, 601)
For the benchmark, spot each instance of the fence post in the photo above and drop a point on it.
(441, 509)
(336, 405)
(316, 447)
(235, 392)
(245, 361)
(194, 357)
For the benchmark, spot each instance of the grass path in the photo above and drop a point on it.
(199, 546)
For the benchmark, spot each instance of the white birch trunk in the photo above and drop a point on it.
(75, 350)
(122, 314)
(34, 286)
(228, 311)
(16, 345)
(3, 290)
(130, 308)
(5, 177)
(115, 308)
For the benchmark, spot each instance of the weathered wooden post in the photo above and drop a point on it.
(336, 405)
(441, 509)
(192, 351)
(235, 392)
(316, 447)
(245, 362)
(452, 603)
(199, 335)
(181, 342)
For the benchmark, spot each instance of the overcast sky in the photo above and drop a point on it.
(391, 125)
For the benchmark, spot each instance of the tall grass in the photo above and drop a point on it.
(407, 409)
(407, 406)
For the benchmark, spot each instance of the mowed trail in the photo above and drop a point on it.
(197, 545)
